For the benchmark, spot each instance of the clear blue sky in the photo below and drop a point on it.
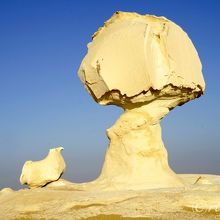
(43, 103)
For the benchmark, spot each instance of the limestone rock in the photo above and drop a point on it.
(39, 173)
(147, 65)
(6, 190)
(60, 184)
(197, 202)
(135, 59)
(203, 180)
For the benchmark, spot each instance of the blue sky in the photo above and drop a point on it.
(43, 103)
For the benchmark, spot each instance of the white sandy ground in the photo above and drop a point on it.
(195, 201)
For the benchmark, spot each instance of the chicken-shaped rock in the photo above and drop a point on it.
(39, 173)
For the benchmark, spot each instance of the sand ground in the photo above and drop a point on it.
(200, 199)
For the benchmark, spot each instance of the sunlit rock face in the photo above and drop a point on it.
(135, 59)
(147, 65)
(40, 173)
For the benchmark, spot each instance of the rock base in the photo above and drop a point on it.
(198, 200)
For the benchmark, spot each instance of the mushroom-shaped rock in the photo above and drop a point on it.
(39, 173)
(136, 59)
(147, 65)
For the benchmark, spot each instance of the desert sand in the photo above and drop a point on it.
(194, 201)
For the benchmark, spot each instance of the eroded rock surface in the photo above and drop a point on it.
(39, 173)
(136, 58)
(147, 65)
(197, 202)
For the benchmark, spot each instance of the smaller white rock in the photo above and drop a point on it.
(6, 190)
(39, 173)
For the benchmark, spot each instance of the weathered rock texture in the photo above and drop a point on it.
(147, 65)
(39, 173)
(136, 59)
(194, 202)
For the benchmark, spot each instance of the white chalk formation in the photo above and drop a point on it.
(6, 190)
(147, 65)
(39, 173)
(137, 59)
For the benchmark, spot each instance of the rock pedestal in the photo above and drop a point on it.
(147, 65)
